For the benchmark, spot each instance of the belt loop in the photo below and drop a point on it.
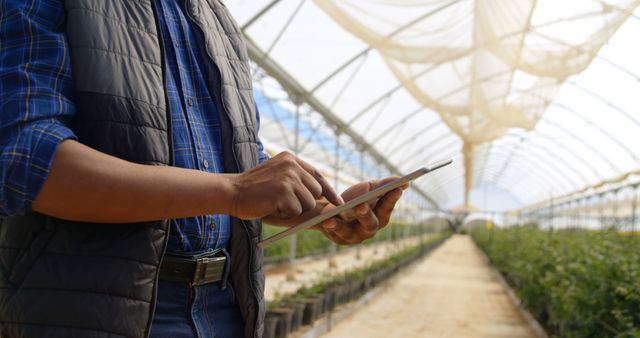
(227, 266)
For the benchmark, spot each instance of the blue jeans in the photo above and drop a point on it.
(204, 311)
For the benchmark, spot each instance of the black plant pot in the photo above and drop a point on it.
(285, 316)
(356, 289)
(298, 313)
(310, 312)
(321, 304)
(270, 325)
(368, 283)
(331, 297)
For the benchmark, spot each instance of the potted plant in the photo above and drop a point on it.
(270, 325)
(285, 316)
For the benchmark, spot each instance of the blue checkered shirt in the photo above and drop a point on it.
(36, 104)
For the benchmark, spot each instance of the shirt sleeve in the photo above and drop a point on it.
(36, 90)
(262, 155)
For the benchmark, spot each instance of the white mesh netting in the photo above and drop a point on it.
(483, 65)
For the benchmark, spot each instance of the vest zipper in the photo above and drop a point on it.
(235, 158)
(167, 224)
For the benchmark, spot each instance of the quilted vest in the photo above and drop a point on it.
(72, 279)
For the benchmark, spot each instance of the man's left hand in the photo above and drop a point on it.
(364, 220)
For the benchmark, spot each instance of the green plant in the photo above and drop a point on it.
(312, 242)
(578, 283)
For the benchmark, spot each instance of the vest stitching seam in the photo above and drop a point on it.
(121, 54)
(123, 97)
(134, 124)
(113, 19)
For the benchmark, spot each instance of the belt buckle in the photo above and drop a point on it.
(204, 270)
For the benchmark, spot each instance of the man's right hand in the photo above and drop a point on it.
(283, 187)
(89, 186)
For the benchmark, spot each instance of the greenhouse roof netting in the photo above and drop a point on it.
(531, 98)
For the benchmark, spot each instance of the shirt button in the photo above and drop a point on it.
(189, 102)
(212, 225)
(205, 164)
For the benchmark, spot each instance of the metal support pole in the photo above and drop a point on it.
(551, 218)
(634, 210)
(582, 214)
(616, 200)
(336, 173)
(601, 206)
(593, 210)
(293, 240)
(362, 178)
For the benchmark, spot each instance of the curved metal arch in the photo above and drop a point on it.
(555, 171)
(526, 192)
(369, 48)
(416, 76)
(431, 154)
(602, 131)
(491, 147)
(414, 137)
(437, 189)
(581, 141)
(460, 179)
(572, 154)
(619, 67)
(549, 153)
(523, 191)
(549, 172)
(388, 95)
(560, 145)
(563, 147)
(557, 177)
(400, 122)
(260, 13)
(599, 97)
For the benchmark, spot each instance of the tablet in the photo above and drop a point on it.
(371, 195)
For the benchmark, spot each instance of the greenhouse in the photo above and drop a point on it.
(532, 231)
(320, 168)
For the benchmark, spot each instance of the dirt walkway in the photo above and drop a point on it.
(452, 293)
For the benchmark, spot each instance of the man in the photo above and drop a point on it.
(116, 117)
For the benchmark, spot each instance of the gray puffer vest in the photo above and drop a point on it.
(70, 279)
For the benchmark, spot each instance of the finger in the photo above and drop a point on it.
(306, 199)
(339, 229)
(367, 221)
(327, 190)
(311, 183)
(327, 229)
(289, 207)
(385, 207)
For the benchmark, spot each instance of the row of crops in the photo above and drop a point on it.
(577, 283)
(311, 242)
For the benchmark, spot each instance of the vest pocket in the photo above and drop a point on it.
(32, 250)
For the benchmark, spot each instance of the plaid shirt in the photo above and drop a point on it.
(36, 104)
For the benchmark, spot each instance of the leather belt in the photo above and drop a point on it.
(198, 271)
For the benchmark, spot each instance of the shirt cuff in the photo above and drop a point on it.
(27, 161)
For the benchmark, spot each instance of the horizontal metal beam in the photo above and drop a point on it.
(291, 85)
